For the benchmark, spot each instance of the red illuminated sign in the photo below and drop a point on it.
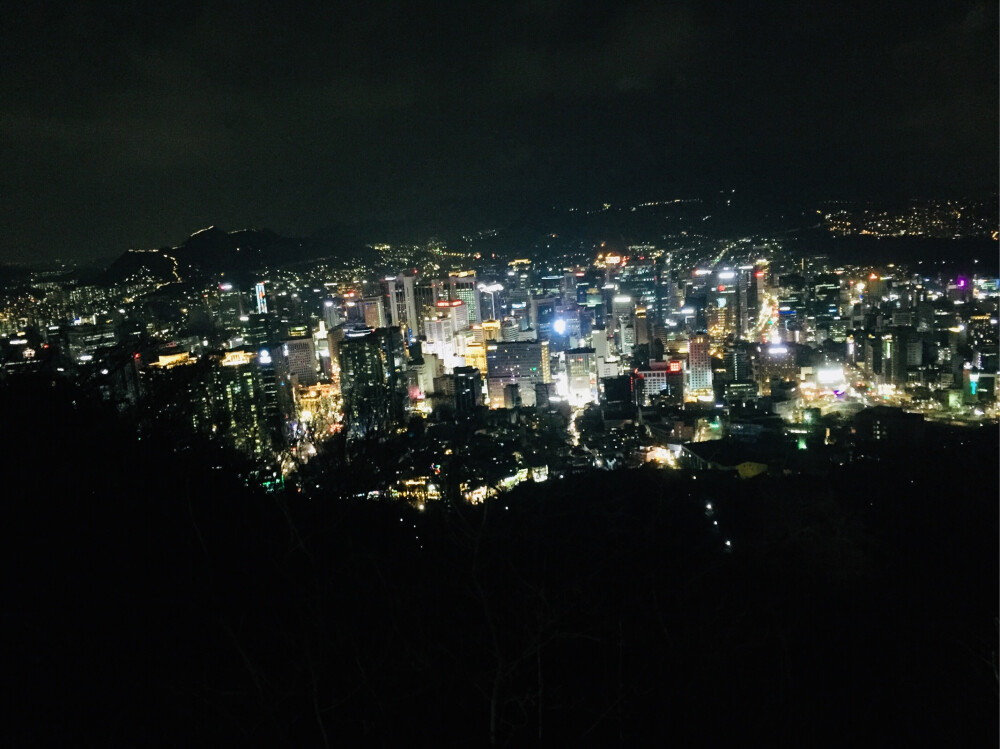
(674, 366)
(722, 288)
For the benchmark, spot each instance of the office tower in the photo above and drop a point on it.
(622, 307)
(401, 301)
(699, 364)
(641, 325)
(620, 396)
(873, 354)
(230, 305)
(373, 312)
(365, 395)
(522, 362)
(455, 310)
(331, 314)
(508, 330)
(475, 356)
(542, 314)
(462, 285)
(261, 298)
(627, 338)
(773, 363)
(258, 329)
(468, 390)
(300, 360)
(245, 408)
(86, 341)
(373, 381)
(581, 375)
(737, 359)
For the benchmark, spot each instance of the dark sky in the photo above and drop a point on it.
(134, 124)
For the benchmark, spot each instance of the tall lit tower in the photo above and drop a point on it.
(462, 285)
(261, 298)
(699, 363)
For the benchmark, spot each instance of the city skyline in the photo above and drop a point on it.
(127, 129)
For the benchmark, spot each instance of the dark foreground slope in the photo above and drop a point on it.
(151, 599)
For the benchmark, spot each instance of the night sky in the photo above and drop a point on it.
(134, 124)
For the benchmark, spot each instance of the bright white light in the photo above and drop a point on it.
(726, 275)
(777, 350)
(264, 356)
(830, 375)
(559, 326)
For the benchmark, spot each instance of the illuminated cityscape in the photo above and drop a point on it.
(539, 421)
(736, 334)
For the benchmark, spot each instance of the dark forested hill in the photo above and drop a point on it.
(151, 599)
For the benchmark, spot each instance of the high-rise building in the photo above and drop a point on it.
(373, 381)
(258, 329)
(401, 302)
(523, 363)
(776, 362)
(508, 330)
(581, 375)
(737, 358)
(245, 409)
(620, 396)
(261, 298)
(362, 382)
(456, 310)
(468, 390)
(331, 314)
(230, 305)
(542, 314)
(699, 363)
(462, 285)
(300, 359)
(475, 356)
(373, 312)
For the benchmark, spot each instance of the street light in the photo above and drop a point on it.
(491, 289)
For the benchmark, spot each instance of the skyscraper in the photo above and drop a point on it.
(581, 373)
(245, 411)
(468, 390)
(373, 381)
(300, 358)
(699, 364)
(462, 285)
(373, 312)
(522, 363)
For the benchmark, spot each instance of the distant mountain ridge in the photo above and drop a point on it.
(210, 252)
(540, 232)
